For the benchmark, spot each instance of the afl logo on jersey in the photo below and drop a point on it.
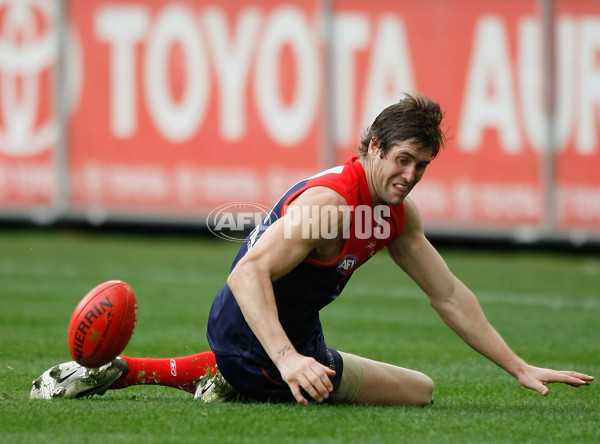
(347, 264)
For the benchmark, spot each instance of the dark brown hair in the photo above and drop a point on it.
(413, 117)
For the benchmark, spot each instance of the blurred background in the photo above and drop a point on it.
(159, 111)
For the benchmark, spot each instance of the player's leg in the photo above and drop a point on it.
(71, 380)
(181, 372)
(388, 384)
(365, 381)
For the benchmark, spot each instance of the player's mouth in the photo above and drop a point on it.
(402, 188)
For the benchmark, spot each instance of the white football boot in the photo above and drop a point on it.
(212, 387)
(72, 380)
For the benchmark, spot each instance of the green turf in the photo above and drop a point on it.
(546, 304)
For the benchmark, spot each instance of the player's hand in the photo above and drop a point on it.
(303, 372)
(536, 378)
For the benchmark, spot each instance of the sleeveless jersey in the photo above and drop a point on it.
(312, 284)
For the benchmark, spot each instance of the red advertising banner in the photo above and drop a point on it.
(576, 129)
(28, 127)
(475, 58)
(484, 62)
(188, 105)
(175, 108)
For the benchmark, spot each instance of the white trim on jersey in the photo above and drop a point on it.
(334, 170)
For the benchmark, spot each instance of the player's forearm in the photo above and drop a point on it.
(464, 315)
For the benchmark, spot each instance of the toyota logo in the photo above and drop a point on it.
(28, 60)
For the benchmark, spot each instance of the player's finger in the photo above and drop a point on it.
(315, 388)
(542, 389)
(572, 378)
(317, 383)
(582, 376)
(324, 374)
(329, 371)
(322, 385)
(325, 377)
(322, 390)
(297, 393)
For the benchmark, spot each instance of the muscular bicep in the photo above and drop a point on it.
(279, 250)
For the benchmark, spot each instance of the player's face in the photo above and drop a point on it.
(394, 176)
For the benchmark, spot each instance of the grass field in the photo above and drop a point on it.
(546, 304)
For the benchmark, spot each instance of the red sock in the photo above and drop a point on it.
(179, 372)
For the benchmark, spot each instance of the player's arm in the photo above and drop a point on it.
(459, 308)
(281, 248)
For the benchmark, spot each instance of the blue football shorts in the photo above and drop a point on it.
(261, 382)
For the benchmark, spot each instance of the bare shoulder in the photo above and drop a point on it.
(297, 234)
(320, 196)
(417, 257)
(412, 237)
(413, 224)
(319, 214)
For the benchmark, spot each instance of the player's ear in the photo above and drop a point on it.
(373, 149)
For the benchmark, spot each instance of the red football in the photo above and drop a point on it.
(102, 323)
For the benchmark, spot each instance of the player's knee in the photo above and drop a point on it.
(425, 393)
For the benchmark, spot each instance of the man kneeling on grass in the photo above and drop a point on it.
(266, 340)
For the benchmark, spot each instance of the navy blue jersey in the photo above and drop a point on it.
(312, 284)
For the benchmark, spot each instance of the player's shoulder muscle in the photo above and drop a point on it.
(413, 224)
(319, 195)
